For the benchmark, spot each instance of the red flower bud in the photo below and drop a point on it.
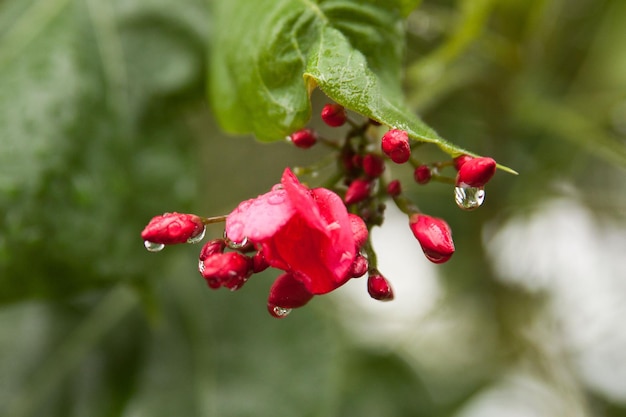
(259, 263)
(288, 292)
(358, 191)
(434, 236)
(379, 288)
(373, 165)
(211, 248)
(334, 115)
(476, 172)
(230, 270)
(422, 174)
(172, 228)
(359, 266)
(359, 229)
(395, 144)
(304, 138)
(394, 188)
(460, 160)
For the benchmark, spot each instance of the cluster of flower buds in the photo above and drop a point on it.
(319, 237)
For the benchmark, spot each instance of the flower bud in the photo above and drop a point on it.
(378, 287)
(259, 263)
(394, 188)
(288, 292)
(422, 174)
(476, 172)
(357, 191)
(373, 165)
(395, 144)
(434, 236)
(460, 160)
(334, 115)
(304, 138)
(359, 266)
(359, 230)
(172, 228)
(211, 248)
(230, 270)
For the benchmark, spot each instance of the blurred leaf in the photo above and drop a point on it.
(91, 98)
(351, 50)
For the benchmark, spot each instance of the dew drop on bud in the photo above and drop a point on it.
(235, 245)
(277, 311)
(197, 238)
(152, 246)
(469, 198)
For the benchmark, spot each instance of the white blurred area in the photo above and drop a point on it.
(560, 250)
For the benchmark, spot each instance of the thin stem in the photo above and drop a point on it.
(372, 260)
(406, 205)
(216, 219)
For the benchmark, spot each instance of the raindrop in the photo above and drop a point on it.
(469, 198)
(152, 246)
(197, 238)
(276, 198)
(235, 245)
(279, 312)
(201, 266)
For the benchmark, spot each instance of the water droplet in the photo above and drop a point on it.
(469, 198)
(277, 187)
(235, 245)
(277, 197)
(153, 247)
(201, 266)
(197, 238)
(278, 312)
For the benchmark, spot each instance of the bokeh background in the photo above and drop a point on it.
(104, 123)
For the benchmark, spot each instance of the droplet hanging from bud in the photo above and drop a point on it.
(278, 312)
(197, 238)
(469, 198)
(152, 246)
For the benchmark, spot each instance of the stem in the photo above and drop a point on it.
(406, 205)
(372, 260)
(216, 219)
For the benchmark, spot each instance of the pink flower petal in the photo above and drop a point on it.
(259, 218)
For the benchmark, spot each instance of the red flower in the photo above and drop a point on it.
(172, 228)
(304, 232)
(434, 236)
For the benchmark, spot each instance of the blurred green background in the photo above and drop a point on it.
(104, 123)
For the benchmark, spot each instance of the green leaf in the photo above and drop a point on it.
(268, 56)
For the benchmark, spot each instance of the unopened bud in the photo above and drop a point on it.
(394, 188)
(288, 292)
(357, 191)
(434, 236)
(422, 174)
(259, 263)
(373, 165)
(334, 115)
(378, 287)
(359, 230)
(230, 270)
(304, 138)
(476, 172)
(395, 144)
(460, 160)
(172, 228)
(359, 266)
(211, 248)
